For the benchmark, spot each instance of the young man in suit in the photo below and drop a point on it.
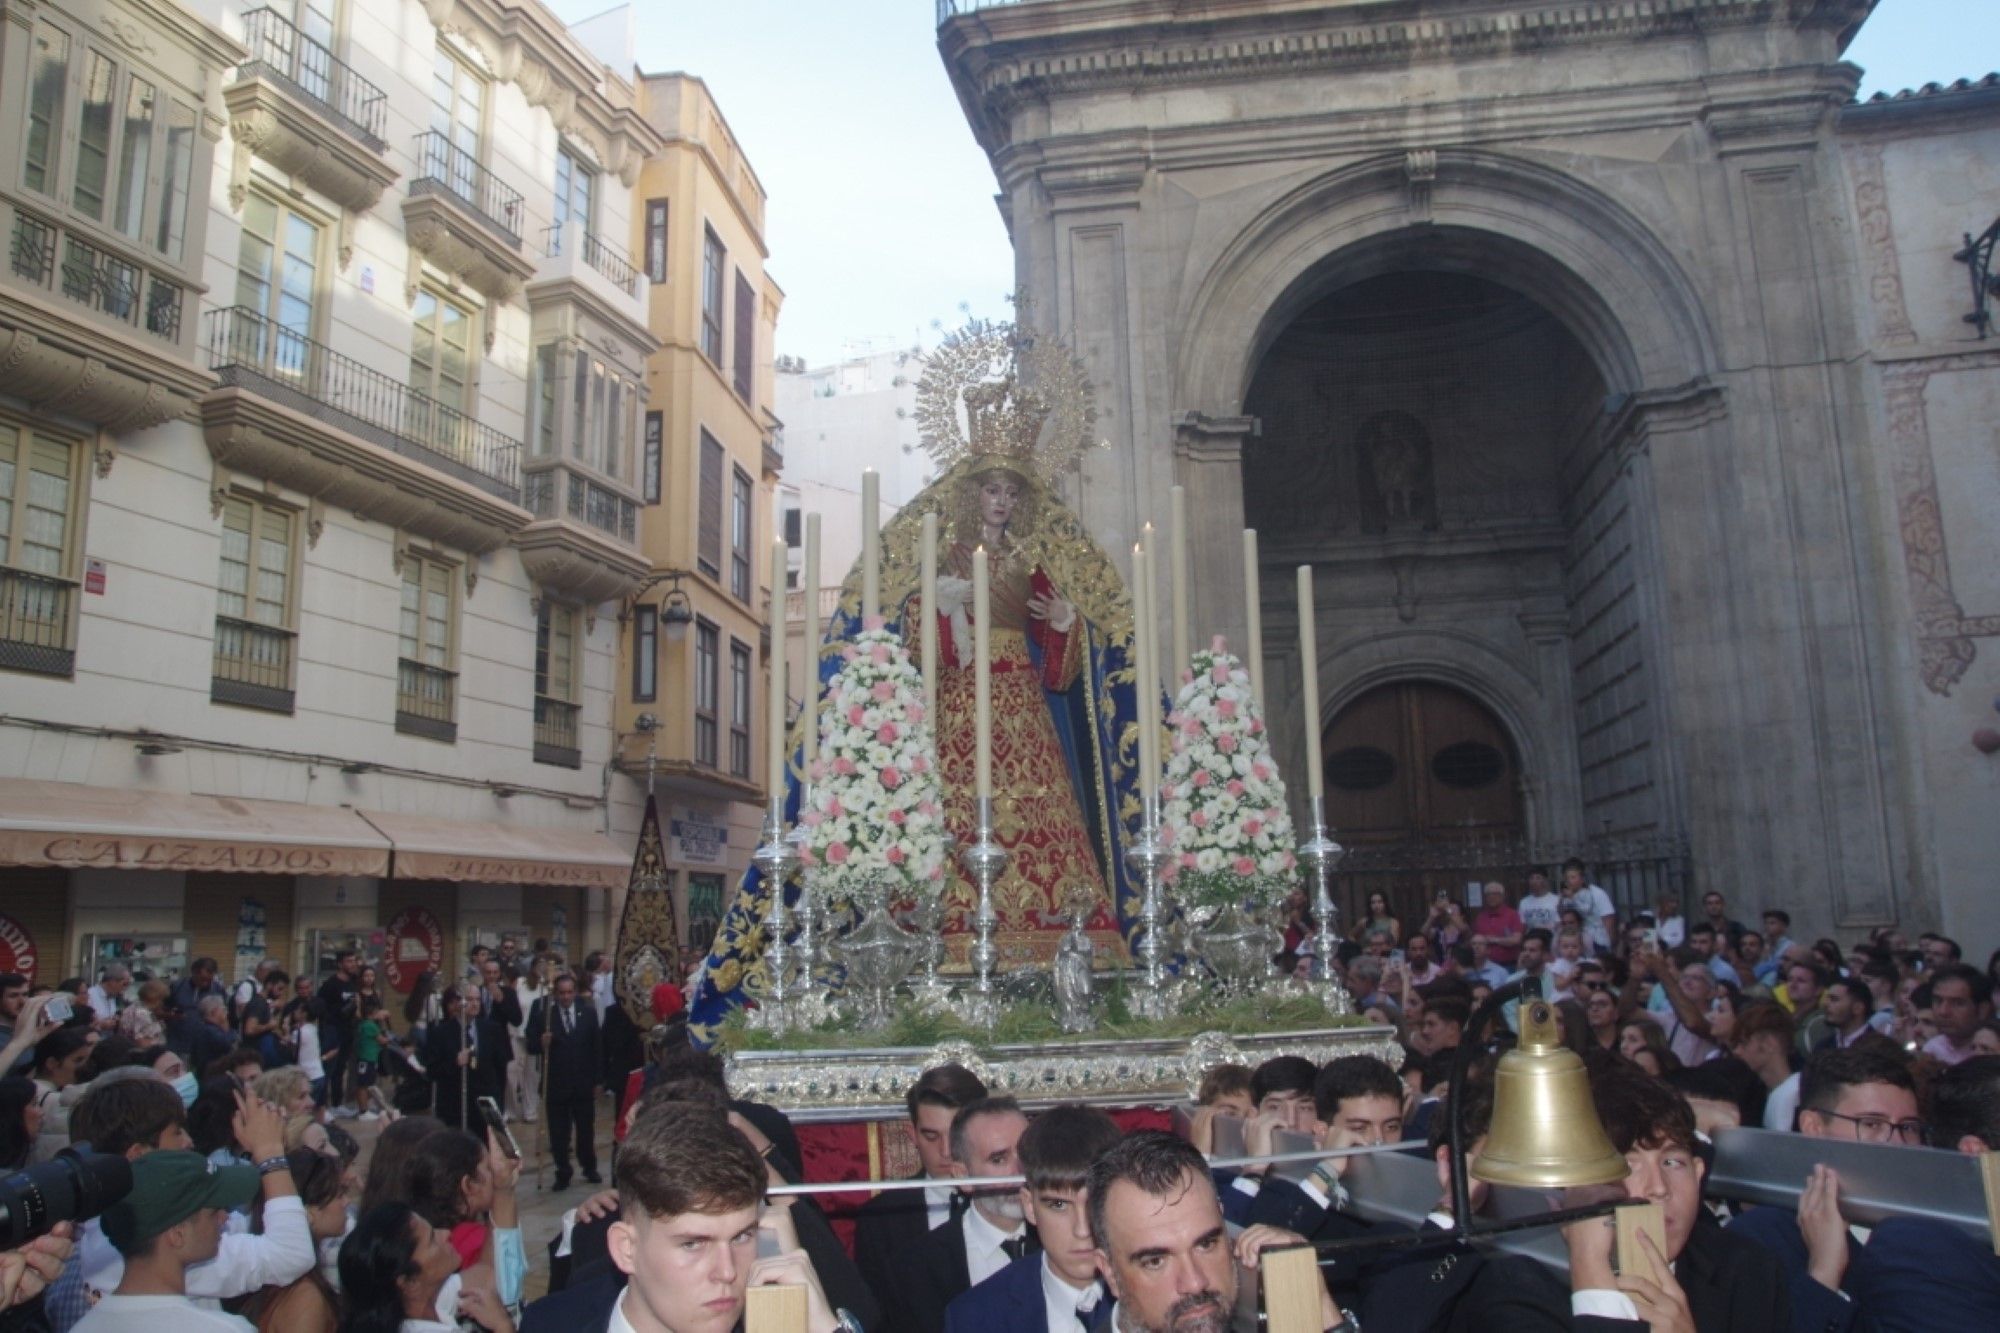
(1919, 1273)
(690, 1198)
(565, 1031)
(979, 1241)
(889, 1225)
(1058, 1290)
(1858, 1094)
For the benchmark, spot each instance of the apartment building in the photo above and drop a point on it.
(696, 646)
(323, 369)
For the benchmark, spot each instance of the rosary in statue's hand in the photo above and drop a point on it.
(1055, 609)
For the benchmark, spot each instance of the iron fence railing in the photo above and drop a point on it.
(36, 624)
(253, 664)
(46, 254)
(247, 349)
(1636, 871)
(599, 253)
(949, 9)
(279, 50)
(443, 165)
(556, 732)
(426, 700)
(556, 492)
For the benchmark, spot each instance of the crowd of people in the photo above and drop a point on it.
(249, 1207)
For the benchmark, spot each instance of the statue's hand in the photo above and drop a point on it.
(1055, 609)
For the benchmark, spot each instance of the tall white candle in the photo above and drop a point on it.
(775, 724)
(982, 680)
(1253, 646)
(871, 542)
(1183, 655)
(1309, 692)
(929, 637)
(1149, 670)
(809, 581)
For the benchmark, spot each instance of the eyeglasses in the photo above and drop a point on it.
(1878, 1129)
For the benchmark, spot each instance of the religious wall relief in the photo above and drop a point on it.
(1396, 477)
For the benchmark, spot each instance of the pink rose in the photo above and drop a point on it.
(894, 856)
(1219, 674)
(1199, 819)
(844, 766)
(1234, 787)
(1256, 726)
(812, 818)
(1167, 834)
(919, 764)
(818, 770)
(1226, 707)
(1253, 826)
(854, 716)
(1169, 873)
(937, 872)
(1260, 770)
(808, 857)
(886, 733)
(837, 853)
(884, 691)
(1187, 860)
(1200, 778)
(891, 779)
(873, 623)
(880, 654)
(896, 817)
(834, 809)
(916, 712)
(849, 653)
(1243, 865)
(1226, 743)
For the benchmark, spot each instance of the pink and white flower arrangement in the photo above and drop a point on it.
(1222, 803)
(875, 818)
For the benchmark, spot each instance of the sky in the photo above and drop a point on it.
(881, 222)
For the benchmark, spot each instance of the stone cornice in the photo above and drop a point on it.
(252, 434)
(1001, 58)
(1202, 438)
(578, 562)
(527, 45)
(61, 363)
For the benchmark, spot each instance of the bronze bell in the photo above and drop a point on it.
(1545, 1132)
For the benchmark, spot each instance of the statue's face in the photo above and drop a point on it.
(997, 497)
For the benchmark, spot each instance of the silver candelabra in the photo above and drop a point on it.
(985, 860)
(1144, 858)
(1321, 855)
(776, 859)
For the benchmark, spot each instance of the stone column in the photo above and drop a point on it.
(1208, 460)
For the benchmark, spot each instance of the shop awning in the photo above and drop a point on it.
(501, 853)
(115, 828)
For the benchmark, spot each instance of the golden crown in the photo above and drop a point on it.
(996, 391)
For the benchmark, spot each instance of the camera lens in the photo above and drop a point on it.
(75, 1186)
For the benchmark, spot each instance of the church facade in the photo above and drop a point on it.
(1613, 368)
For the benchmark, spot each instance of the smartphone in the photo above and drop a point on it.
(490, 1110)
(1652, 938)
(59, 1009)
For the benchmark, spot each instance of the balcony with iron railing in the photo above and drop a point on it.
(426, 700)
(464, 219)
(579, 269)
(253, 665)
(37, 622)
(247, 350)
(83, 268)
(278, 50)
(556, 732)
(583, 544)
(600, 254)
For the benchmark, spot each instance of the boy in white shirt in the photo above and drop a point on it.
(171, 1221)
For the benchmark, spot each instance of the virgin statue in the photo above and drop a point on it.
(1005, 415)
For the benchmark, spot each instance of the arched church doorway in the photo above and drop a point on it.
(1416, 761)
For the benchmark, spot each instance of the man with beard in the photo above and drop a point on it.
(1161, 1243)
(978, 1242)
(894, 1221)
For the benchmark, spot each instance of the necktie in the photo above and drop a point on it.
(959, 1203)
(569, 1021)
(1014, 1246)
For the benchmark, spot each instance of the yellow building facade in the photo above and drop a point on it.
(694, 649)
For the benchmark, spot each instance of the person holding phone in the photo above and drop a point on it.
(565, 1031)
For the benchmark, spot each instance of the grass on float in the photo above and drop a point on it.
(1028, 1023)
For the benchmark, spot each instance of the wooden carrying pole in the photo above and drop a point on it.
(1292, 1290)
(774, 1310)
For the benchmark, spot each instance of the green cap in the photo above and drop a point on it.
(170, 1187)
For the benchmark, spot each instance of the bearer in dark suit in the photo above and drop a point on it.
(462, 1054)
(1058, 1290)
(890, 1225)
(566, 1033)
(976, 1243)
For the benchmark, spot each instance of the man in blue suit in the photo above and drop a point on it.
(1056, 1291)
(1919, 1273)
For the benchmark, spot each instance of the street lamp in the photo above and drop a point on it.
(676, 610)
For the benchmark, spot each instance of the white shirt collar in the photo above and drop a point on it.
(937, 1204)
(619, 1323)
(1062, 1302)
(983, 1255)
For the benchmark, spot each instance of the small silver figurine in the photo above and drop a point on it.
(1075, 1011)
